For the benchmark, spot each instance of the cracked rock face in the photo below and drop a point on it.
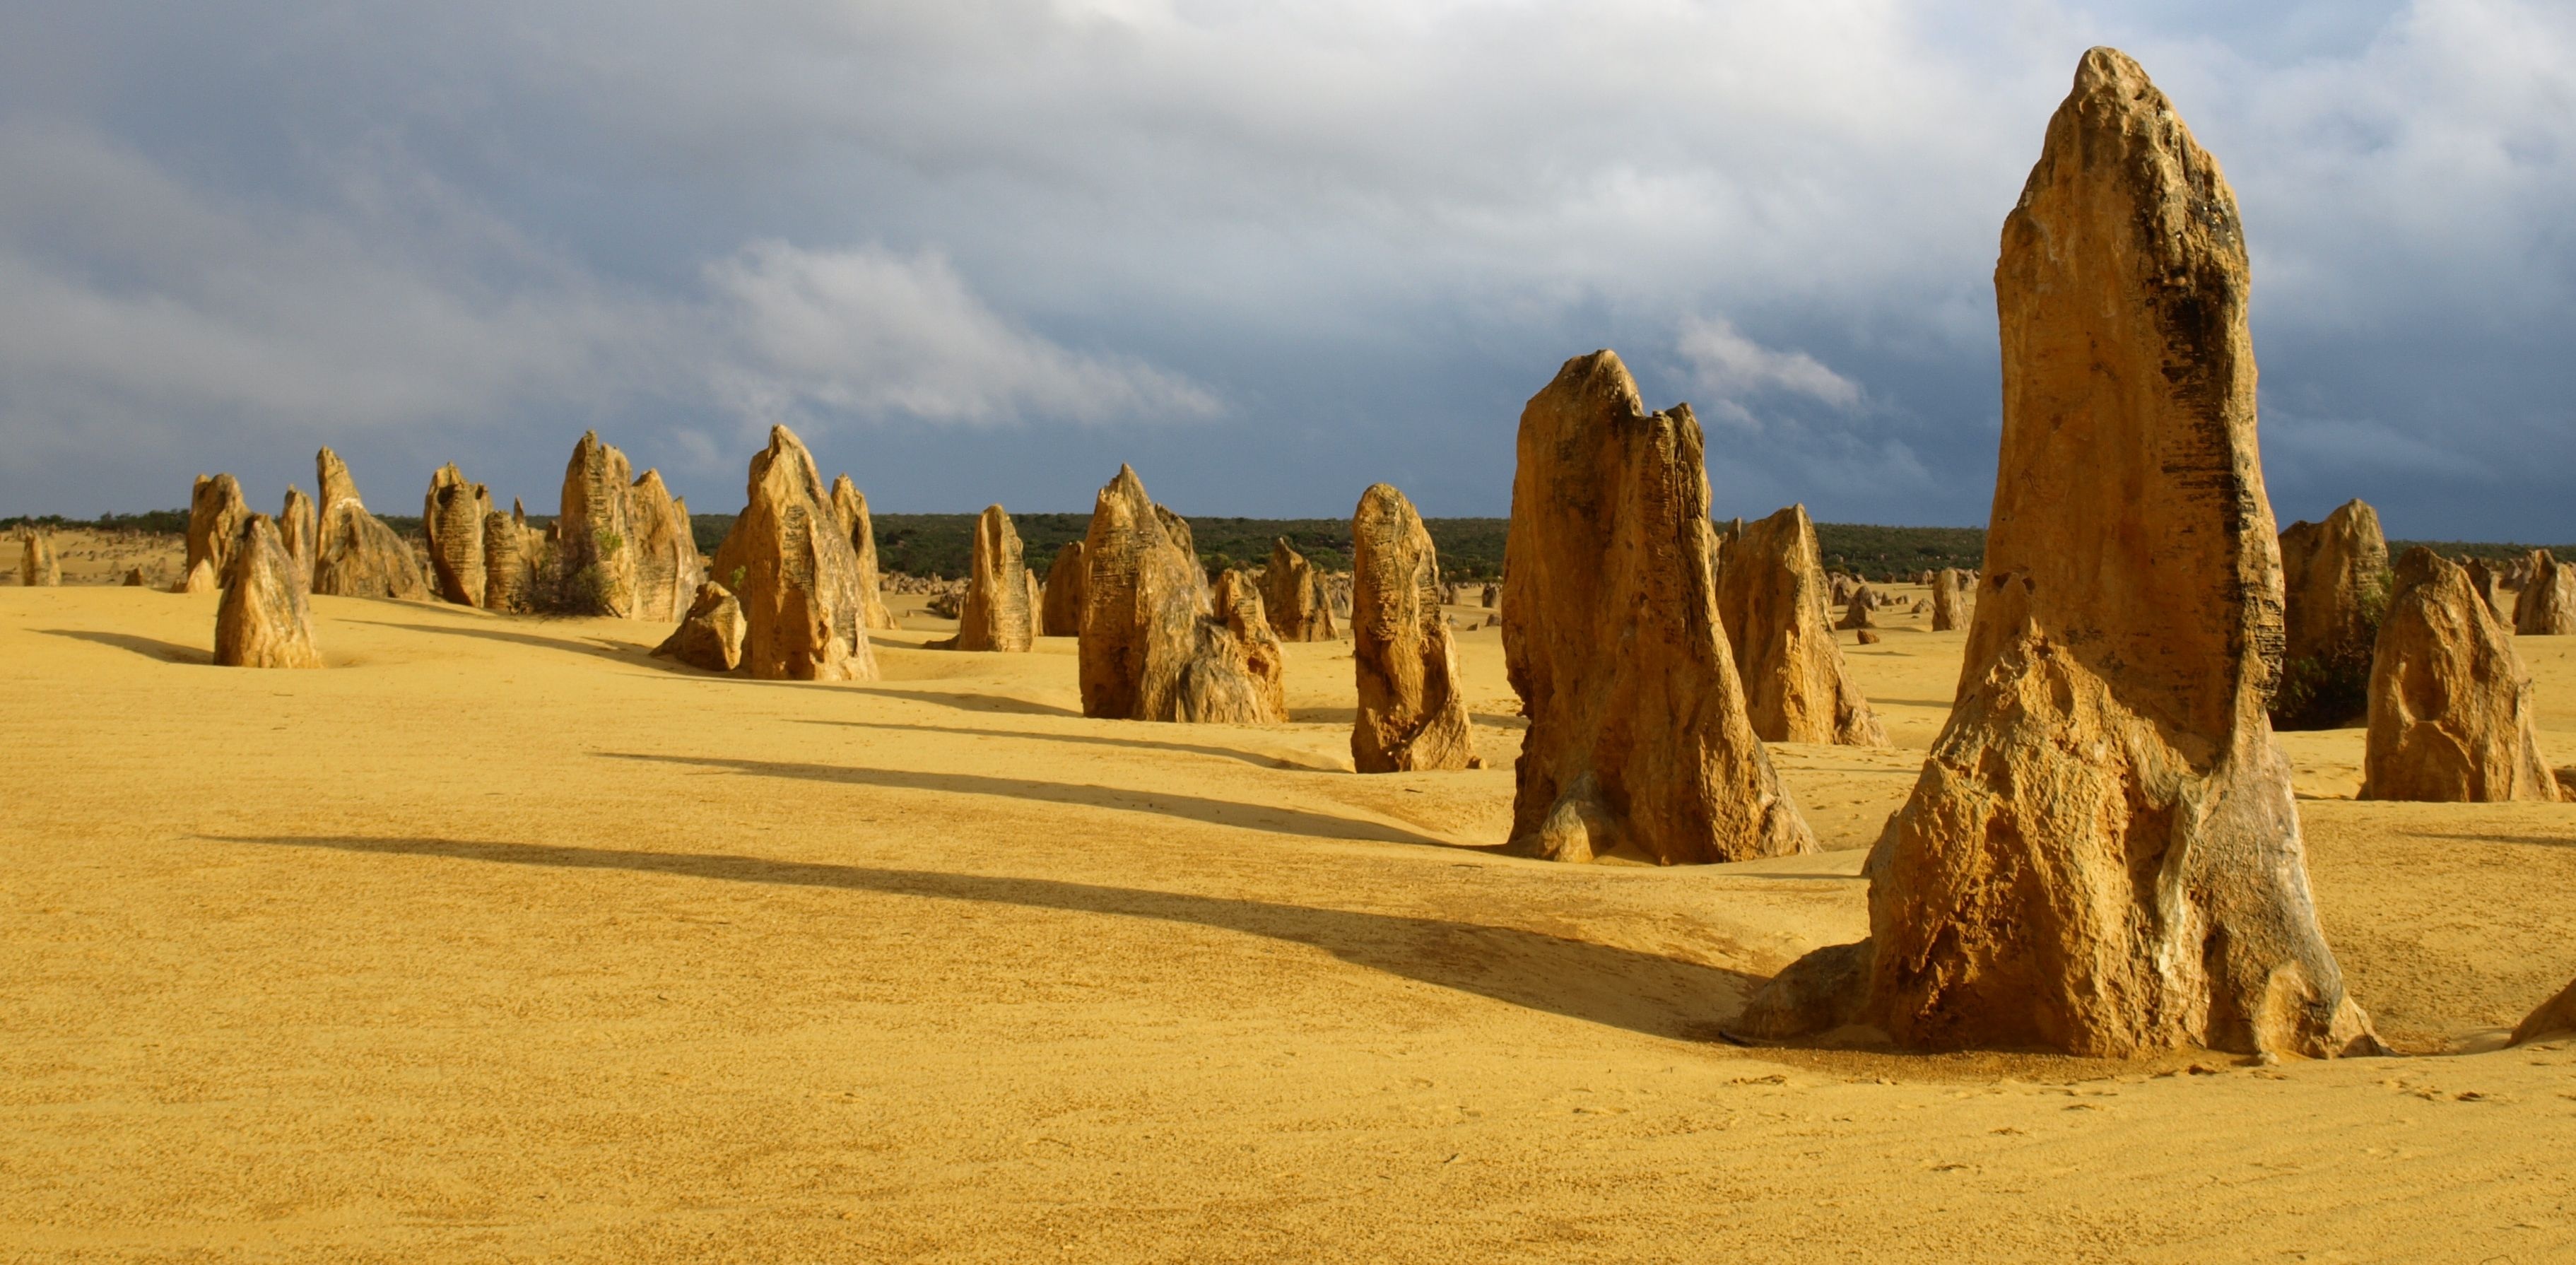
(263, 620)
(804, 613)
(710, 634)
(1294, 596)
(1412, 714)
(1157, 644)
(1771, 598)
(355, 554)
(1646, 750)
(2452, 716)
(452, 516)
(2102, 855)
(2547, 605)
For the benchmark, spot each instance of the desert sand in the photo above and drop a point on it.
(498, 939)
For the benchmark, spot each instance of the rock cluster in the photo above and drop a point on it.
(263, 620)
(710, 634)
(354, 554)
(1294, 596)
(995, 614)
(1151, 648)
(802, 605)
(1061, 606)
(1771, 594)
(1412, 714)
(2102, 855)
(2452, 718)
(1639, 741)
(215, 514)
(452, 515)
(2547, 605)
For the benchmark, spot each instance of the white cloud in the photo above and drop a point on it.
(874, 333)
(1733, 369)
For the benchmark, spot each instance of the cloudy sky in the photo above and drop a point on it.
(981, 250)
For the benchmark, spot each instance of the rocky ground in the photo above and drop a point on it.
(500, 939)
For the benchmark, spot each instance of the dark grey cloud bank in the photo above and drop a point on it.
(986, 251)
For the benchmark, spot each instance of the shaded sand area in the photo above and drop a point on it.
(502, 940)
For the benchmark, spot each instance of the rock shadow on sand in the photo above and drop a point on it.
(1264, 817)
(1594, 983)
(148, 647)
(1096, 740)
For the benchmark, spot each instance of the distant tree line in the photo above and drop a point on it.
(1471, 549)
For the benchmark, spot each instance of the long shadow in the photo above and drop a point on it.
(2537, 841)
(1939, 704)
(1621, 988)
(965, 702)
(149, 647)
(1323, 715)
(631, 655)
(1286, 821)
(1096, 740)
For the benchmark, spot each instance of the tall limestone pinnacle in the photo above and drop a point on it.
(1639, 740)
(2102, 854)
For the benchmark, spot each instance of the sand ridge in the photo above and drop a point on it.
(499, 938)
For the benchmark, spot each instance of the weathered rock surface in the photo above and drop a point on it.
(1037, 602)
(1771, 594)
(2334, 577)
(2102, 855)
(297, 525)
(995, 614)
(200, 578)
(2452, 717)
(1063, 601)
(452, 515)
(1639, 741)
(512, 555)
(216, 511)
(1151, 648)
(852, 507)
(1954, 599)
(710, 634)
(2483, 581)
(354, 554)
(2547, 605)
(37, 566)
(803, 611)
(667, 565)
(1856, 612)
(594, 544)
(1293, 594)
(263, 620)
(1412, 714)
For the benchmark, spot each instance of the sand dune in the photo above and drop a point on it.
(500, 939)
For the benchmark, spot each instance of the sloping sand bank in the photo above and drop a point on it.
(501, 940)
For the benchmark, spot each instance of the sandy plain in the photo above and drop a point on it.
(501, 940)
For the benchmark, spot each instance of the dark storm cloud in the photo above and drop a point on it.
(1268, 253)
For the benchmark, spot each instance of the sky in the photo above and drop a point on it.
(986, 250)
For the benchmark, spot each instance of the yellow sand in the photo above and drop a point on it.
(500, 940)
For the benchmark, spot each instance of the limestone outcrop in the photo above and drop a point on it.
(2334, 580)
(1954, 599)
(200, 578)
(134, 577)
(995, 614)
(296, 525)
(710, 634)
(2547, 604)
(852, 507)
(1156, 644)
(1061, 606)
(216, 512)
(2483, 581)
(1856, 613)
(452, 515)
(594, 552)
(2102, 855)
(37, 566)
(802, 605)
(1037, 602)
(1293, 594)
(2452, 717)
(1639, 741)
(355, 554)
(1771, 595)
(1412, 715)
(513, 553)
(263, 620)
(667, 564)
